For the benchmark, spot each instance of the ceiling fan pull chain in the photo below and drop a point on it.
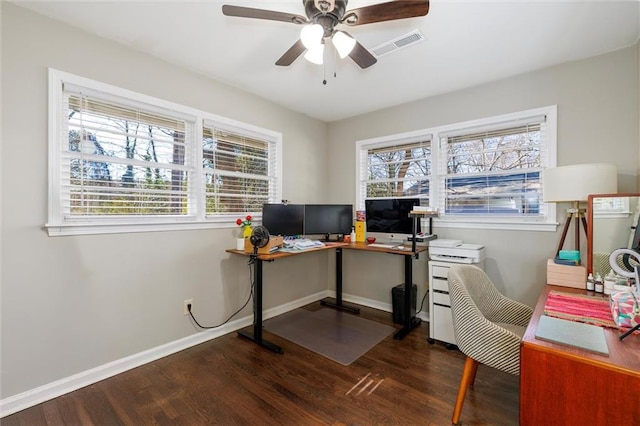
(324, 73)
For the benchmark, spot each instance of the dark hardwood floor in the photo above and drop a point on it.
(232, 381)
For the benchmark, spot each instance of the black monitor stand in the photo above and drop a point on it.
(327, 238)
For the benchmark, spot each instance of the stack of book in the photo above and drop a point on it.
(568, 257)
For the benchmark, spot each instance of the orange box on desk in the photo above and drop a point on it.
(566, 275)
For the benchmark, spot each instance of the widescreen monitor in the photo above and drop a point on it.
(283, 219)
(327, 219)
(388, 219)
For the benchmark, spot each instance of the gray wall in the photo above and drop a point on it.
(597, 103)
(73, 303)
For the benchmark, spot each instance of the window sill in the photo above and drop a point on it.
(67, 229)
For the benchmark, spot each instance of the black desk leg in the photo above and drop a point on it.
(256, 336)
(339, 305)
(410, 319)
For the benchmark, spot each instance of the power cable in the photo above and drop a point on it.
(251, 295)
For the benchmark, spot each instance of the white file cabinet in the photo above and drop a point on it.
(440, 322)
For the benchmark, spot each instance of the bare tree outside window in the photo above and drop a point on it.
(121, 161)
(399, 171)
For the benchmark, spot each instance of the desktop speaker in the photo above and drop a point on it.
(275, 242)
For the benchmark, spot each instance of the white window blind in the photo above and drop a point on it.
(122, 159)
(239, 169)
(397, 169)
(482, 174)
(494, 171)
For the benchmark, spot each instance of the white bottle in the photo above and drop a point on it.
(609, 282)
(590, 283)
(599, 285)
(353, 234)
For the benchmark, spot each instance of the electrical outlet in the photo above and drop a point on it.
(184, 306)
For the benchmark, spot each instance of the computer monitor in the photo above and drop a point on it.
(283, 219)
(388, 219)
(327, 219)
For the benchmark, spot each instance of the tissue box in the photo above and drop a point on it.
(624, 308)
(566, 275)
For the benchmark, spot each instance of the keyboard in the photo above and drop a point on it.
(387, 246)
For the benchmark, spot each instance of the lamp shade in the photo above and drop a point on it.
(311, 35)
(343, 43)
(315, 55)
(576, 182)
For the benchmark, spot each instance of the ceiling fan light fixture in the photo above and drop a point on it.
(311, 35)
(344, 44)
(315, 55)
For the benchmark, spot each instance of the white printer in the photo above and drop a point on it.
(455, 251)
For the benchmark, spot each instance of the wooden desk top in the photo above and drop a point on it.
(332, 245)
(364, 246)
(281, 254)
(624, 356)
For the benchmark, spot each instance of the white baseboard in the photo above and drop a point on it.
(63, 386)
(375, 304)
(43, 393)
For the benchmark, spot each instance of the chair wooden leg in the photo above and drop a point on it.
(474, 370)
(468, 377)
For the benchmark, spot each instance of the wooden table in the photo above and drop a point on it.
(563, 385)
(411, 321)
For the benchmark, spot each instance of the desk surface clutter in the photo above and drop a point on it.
(577, 320)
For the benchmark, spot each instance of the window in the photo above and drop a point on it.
(482, 173)
(494, 172)
(611, 207)
(125, 162)
(239, 170)
(397, 170)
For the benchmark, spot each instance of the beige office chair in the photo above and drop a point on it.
(488, 326)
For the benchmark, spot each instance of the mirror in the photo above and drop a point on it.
(612, 224)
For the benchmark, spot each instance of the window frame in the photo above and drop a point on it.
(363, 147)
(59, 225)
(545, 222)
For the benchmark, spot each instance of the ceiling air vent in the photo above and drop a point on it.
(398, 43)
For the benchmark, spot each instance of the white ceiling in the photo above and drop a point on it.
(466, 43)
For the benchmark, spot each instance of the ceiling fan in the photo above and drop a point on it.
(320, 24)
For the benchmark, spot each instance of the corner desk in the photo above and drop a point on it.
(564, 385)
(410, 320)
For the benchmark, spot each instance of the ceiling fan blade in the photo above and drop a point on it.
(291, 54)
(271, 15)
(361, 56)
(388, 11)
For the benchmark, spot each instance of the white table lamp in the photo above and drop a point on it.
(574, 184)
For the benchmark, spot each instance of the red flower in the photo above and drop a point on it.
(245, 222)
